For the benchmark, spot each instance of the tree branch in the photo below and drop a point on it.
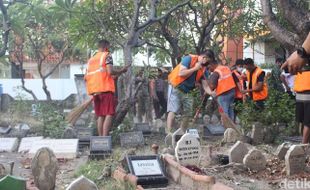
(6, 28)
(281, 34)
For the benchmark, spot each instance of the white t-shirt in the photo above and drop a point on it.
(289, 79)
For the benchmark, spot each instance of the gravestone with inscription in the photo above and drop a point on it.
(100, 147)
(84, 134)
(144, 127)
(148, 170)
(295, 159)
(255, 160)
(132, 139)
(193, 132)
(188, 150)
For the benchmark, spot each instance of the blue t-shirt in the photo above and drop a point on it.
(189, 83)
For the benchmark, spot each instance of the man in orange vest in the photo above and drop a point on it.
(182, 80)
(100, 84)
(257, 87)
(299, 59)
(222, 81)
(238, 78)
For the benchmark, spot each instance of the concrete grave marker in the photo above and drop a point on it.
(282, 150)
(193, 132)
(69, 133)
(295, 159)
(27, 143)
(176, 136)
(257, 133)
(62, 148)
(144, 127)
(5, 129)
(188, 150)
(8, 144)
(214, 130)
(82, 183)
(132, 139)
(237, 152)
(148, 170)
(214, 120)
(231, 136)
(206, 119)
(44, 167)
(255, 160)
(100, 146)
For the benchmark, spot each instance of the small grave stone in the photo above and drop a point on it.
(84, 134)
(3, 172)
(44, 168)
(176, 136)
(62, 148)
(237, 152)
(8, 144)
(132, 139)
(148, 170)
(80, 122)
(100, 147)
(214, 120)
(22, 126)
(295, 159)
(188, 150)
(214, 130)
(193, 132)
(69, 133)
(159, 125)
(144, 127)
(255, 160)
(206, 119)
(5, 129)
(231, 136)
(257, 133)
(282, 150)
(11, 182)
(82, 183)
(27, 143)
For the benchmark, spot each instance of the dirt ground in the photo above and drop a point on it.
(239, 180)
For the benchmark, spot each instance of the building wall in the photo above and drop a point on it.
(260, 52)
(233, 50)
(60, 88)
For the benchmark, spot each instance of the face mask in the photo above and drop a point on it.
(239, 69)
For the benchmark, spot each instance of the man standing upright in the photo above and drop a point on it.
(182, 80)
(100, 84)
(257, 87)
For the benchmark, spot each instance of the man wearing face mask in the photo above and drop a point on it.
(238, 78)
(182, 80)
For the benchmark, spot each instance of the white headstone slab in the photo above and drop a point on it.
(295, 159)
(188, 150)
(193, 132)
(27, 143)
(62, 148)
(8, 144)
(255, 160)
(176, 136)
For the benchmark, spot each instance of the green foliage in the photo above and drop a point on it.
(20, 106)
(279, 108)
(52, 119)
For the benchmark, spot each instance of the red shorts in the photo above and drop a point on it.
(104, 104)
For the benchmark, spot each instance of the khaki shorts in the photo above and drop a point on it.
(180, 102)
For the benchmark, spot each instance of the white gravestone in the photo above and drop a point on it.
(8, 144)
(188, 150)
(27, 143)
(146, 167)
(295, 159)
(62, 148)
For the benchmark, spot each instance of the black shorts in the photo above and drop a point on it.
(303, 113)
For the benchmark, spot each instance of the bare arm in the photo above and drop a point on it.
(113, 71)
(185, 72)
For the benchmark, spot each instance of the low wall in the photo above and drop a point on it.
(60, 89)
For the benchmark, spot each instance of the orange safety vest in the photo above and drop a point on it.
(174, 78)
(238, 93)
(97, 78)
(226, 81)
(302, 82)
(261, 95)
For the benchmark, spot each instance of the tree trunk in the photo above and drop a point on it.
(46, 91)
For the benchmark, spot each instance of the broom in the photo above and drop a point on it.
(76, 112)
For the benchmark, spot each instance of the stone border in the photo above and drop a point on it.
(120, 175)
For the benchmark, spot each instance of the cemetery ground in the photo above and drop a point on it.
(234, 175)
